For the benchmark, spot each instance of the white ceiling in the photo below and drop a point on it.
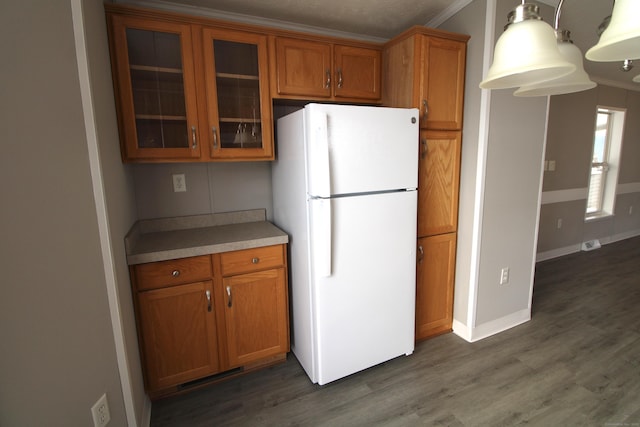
(380, 20)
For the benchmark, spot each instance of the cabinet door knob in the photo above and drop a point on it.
(426, 108)
(229, 296)
(194, 142)
(425, 149)
(255, 260)
(208, 294)
(175, 273)
(214, 131)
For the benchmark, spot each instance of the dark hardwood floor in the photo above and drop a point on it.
(576, 363)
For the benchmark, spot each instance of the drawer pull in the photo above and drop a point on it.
(228, 296)
(255, 260)
(208, 294)
(175, 273)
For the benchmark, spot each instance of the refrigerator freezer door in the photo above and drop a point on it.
(355, 149)
(365, 310)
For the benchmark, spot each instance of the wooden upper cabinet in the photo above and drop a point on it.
(187, 90)
(357, 72)
(238, 101)
(425, 69)
(155, 88)
(306, 69)
(438, 182)
(303, 68)
(442, 85)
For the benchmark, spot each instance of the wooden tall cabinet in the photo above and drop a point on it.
(438, 182)
(425, 68)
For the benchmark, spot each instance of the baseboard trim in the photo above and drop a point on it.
(146, 412)
(555, 253)
(493, 327)
(461, 330)
(623, 236)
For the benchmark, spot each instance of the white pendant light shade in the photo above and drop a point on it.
(621, 39)
(526, 53)
(636, 79)
(575, 82)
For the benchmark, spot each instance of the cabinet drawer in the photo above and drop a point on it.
(251, 259)
(173, 272)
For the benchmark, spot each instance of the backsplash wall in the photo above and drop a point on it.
(211, 188)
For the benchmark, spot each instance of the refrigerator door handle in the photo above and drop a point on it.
(323, 164)
(323, 237)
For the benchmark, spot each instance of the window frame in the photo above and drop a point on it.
(609, 166)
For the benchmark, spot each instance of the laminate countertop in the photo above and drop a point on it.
(180, 237)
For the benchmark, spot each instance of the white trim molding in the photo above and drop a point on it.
(573, 194)
(493, 327)
(631, 187)
(455, 7)
(568, 195)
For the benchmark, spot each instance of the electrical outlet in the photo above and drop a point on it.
(504, 276)
(179, 183)
(552, 165)
(100, 412)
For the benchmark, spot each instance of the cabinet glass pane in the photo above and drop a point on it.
(155, 61)
(238, 87)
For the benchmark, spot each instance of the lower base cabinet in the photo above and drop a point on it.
(213, 314)
(255, 314)
(179, 334)
(434, 285)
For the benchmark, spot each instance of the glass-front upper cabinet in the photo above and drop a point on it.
(156, 89)
(238, 102)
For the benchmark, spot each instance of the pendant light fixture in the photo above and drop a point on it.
(526, 53)
(577, 81)
(621, 39)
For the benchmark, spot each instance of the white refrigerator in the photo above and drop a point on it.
(344, 189)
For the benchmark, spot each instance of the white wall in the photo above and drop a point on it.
(569, 144)
(116, 180)
(58, 352)
(503, 145)
(211, 188)
(466, 22)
